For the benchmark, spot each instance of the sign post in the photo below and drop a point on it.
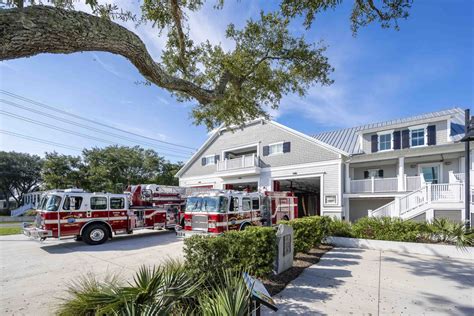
(259, 293)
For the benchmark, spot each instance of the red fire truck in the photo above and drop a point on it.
(217, 211)
(95, 217)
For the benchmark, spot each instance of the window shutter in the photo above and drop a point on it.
(375, 143)
(380, 173)
(396, 140)
(405, 138)
(286, 147)
(217, 157)
(366, 174)
(266, 150)
(431, 135)
(203, 161)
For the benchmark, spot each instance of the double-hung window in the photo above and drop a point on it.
(274, 149)
(385, 141)
(417, 137)
(210, 160)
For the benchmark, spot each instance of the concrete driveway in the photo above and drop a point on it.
(34, 275)
(372, 282)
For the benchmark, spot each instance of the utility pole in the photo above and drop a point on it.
(468, 137)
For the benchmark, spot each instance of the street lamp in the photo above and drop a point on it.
(468, 137)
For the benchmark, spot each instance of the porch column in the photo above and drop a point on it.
(347, 181)
(401, 174)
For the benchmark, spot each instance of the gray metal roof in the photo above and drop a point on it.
(347, 140)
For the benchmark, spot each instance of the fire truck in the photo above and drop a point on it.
(96, 217)
(218, 211)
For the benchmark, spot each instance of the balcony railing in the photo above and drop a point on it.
(246, 161)
(381, 185)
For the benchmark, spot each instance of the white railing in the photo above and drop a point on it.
(386, 185)
(245, 161)
(429, 193)
(388, 210)
(413, 200)
(21, 210)
(373, 185)
(412, 183)
(361, 186)
(459, 176)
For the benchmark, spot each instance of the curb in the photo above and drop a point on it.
(443, 251)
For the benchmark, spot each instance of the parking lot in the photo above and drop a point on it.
(34, 275)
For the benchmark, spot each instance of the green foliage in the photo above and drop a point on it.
(269, 57)
(157, 290)
(63, 171)
(440, 230)
(309, 231)
(446, 231)
(108, 169)
(229, 297)
(20, 173)
(169, 289)
(363, 12)
(252, 250)
(386, 228)
(340, 228)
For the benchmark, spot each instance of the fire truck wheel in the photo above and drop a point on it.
(78, 238)
(95, 234)
(244, 226)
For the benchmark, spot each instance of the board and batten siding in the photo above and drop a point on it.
(441, 135)
(302, 150)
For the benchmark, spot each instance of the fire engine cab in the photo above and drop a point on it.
(95, 217)
(218, 211)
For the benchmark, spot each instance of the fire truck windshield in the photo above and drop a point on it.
(51, 204)
(207, 204)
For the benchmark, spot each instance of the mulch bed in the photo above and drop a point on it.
(276, 283)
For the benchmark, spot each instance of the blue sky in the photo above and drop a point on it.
(381, 74)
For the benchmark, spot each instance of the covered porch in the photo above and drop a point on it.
(403, 174)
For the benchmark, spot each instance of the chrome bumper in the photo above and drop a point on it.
(188, 233)
(36, 232)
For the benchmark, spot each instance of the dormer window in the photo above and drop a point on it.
(418, 136)
(385, 141)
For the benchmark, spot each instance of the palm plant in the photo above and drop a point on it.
(229, 297)
(153, 291)
(444, 230)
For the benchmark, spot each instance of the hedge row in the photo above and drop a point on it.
(309, 231)
(395, 229)
(252, 250)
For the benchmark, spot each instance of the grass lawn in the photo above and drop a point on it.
(9, 231)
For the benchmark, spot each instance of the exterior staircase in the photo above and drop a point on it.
(449, 196)
(21, 210)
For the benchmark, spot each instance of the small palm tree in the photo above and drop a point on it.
(229, 297)
(153, 291)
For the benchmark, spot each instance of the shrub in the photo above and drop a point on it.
(309, 231)
(446, 231)
(386, 228)
(340, 228)
(252, 250)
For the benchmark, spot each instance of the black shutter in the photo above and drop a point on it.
(266, 150)
(431, 135)
(366, 174)
(203, 161)
(380, 173)
(217, 157)
(286, 147)
(397, 140)
(375, 143)
(405, 138)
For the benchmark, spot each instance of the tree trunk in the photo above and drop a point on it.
(43, 29)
